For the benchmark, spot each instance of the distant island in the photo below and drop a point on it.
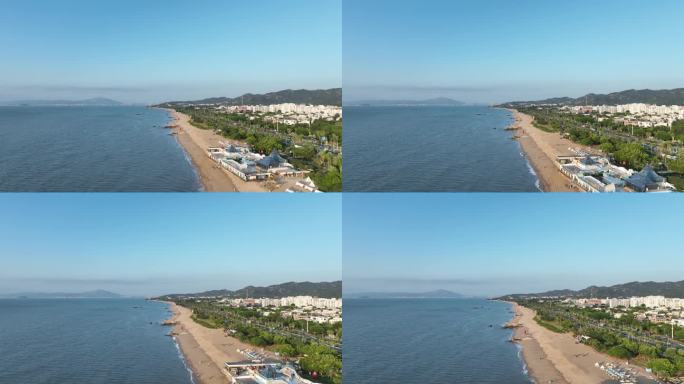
(95, 102)
(323, 290)
(331, 96)
(631, 289)
(438, 101)
(645, 96)
(96, 294)
(437, 294)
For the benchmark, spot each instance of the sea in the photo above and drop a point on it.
(419, 341)
(91, 149)
(87, 341)
(433, 149)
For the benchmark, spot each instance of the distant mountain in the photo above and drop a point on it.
(97, 101)
(388, 103)
(324, 289)
(331, 96)
(649, 288)
(97, 294)
(646, 96)
(438, 294)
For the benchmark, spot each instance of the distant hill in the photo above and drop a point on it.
(97, 101)
(647, 96)
(300, 96)
(96, 294)
(388, 103)
(438, 294)
(649, 288)
(324, 289)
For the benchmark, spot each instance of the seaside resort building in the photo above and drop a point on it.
(597, 174)
(248, 372)
(250, 166)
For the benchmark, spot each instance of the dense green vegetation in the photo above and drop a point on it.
(642, 342)
(289, 337)
(314, 147)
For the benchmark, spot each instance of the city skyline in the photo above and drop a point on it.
(152, 52)
(154, 244)
(498, 51)
(495, 244)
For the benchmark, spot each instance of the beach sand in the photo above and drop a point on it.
(541, 149)
(195, 142)
(557, 358)
(206, 349)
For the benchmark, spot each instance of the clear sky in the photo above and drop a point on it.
(154, 50)
(151, 244)
(502, 50)
(494, 244)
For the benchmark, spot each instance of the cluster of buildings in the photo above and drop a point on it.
(296, 301)
(596, 174)
(638, 114)
(250, 166)
(286, 113)
(657, 309)
(309, 308)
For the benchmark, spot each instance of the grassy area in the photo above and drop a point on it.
(552, 326)
(209, 323)
(677, 181)
(544, 127)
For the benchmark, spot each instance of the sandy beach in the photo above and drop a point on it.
(557, 358)
(195, 142)
(205, 349)
(541, 149)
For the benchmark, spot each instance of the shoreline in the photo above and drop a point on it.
(540, 150)
(557, 358)
(203, 368)
(205, 350)
(195, 142)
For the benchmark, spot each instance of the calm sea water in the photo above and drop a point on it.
(87, 341)
(433, 148)
(81, 149)
(417, 341)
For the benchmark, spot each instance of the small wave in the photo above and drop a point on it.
(195, 171)
(185, 363)
(525, 371)
(537, 182)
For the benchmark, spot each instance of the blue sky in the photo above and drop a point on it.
(150, 244)
(150, 51)
(502, 50)
(493, 244)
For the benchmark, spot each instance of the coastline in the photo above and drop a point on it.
(205, 350)
(557, 358)
(195, 142)
(202, 369)
(540, 149)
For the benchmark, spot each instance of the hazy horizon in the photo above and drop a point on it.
(496, 244)
(154, 243)
(77, 291)
(427, 94)
(153, 51)
(494, 51)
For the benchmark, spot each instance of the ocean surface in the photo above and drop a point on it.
(83, 149)
(433, 149)
(420, 341)
(87, 341)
